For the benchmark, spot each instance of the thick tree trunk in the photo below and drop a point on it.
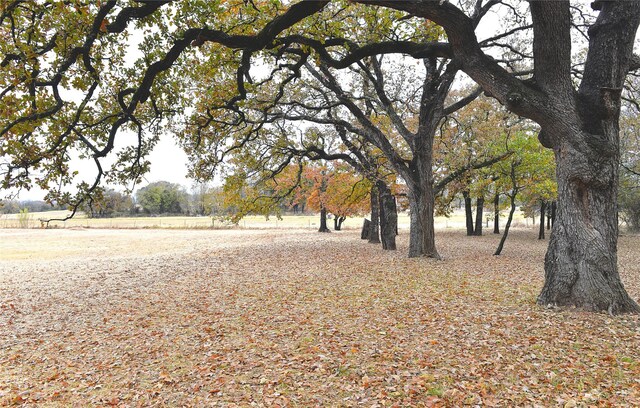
(496, 214)
(468, 214)
(422, 232)
(479, 214)
(543, 206)
(581, 262)
(388, 216)
(323, 221)
(421, 196)
(374, 227)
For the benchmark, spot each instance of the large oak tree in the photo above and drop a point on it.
(580, 125)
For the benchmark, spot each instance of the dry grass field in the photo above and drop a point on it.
(293, 318)
(455, 220)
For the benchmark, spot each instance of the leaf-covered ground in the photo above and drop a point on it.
(300, 319)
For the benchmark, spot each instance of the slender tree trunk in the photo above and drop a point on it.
(340, 221)
(543, 206)
(323, 221)
(553, 213)
(395, 205)
(336, 227)
(388, 216)
(479, 214)
(548, 216)
(512, 196)
(374, 227)
(581, 262)
(496, 214)
(467, 212)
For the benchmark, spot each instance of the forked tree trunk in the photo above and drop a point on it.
(543, 206)
(479, 213)
(323, 221)
(496, 214)
(374, 227)
(581, 262)
(388, 216)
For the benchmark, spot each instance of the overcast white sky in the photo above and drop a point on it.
(168, 163)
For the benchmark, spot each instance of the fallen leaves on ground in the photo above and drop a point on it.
(299, 319)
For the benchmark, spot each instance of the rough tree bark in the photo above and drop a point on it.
(422, 201)
(422, 233)
(388, 216)
(581, 262)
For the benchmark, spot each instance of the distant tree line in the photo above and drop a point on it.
(157, 198)
(14, 206)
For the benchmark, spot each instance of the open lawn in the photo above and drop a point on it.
(177, 222)
(238, 318)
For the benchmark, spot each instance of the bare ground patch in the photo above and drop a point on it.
(297, 318)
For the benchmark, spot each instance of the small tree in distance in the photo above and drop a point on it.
(338, 191)
(162, 197)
